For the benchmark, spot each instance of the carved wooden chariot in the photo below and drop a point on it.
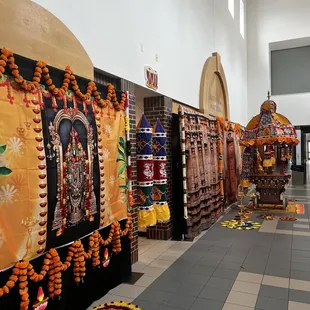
(267, 141)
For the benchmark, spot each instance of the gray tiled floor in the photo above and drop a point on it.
(229, 269)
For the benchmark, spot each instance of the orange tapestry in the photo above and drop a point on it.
(112, 163)
(23, 188)
(39, 157)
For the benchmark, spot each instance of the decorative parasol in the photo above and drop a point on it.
(269, 127)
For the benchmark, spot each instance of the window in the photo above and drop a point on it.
(290, 71)
(308, 150)
(242, 18)
(231, 7)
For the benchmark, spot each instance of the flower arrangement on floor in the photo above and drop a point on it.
(41, 72)
(117, 306)
(53, 267)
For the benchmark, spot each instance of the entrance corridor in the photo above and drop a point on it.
(267, 269)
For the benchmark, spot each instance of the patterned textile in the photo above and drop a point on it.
(72, 177)
(204, 204)
(269, 127)
(147, 214)
(23, 182)
(160, 174)
(247, 166)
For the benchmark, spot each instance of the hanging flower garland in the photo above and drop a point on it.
(53, 267)
(41, 72)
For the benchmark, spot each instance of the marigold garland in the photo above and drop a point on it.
(53, 267)
(41, 72)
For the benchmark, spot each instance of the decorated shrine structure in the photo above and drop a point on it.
(267, 142)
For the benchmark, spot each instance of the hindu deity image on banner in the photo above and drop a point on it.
(62, 170)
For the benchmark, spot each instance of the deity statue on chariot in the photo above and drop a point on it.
(267, 140)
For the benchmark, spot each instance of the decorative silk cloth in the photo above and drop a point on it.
(160, 173)
(23, 181)
(62, 170)
(204, 203)
(147, 213)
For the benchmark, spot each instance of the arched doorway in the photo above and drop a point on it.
(213, 97)
(214, 100)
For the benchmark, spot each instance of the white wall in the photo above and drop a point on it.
(183, 33)
(267, 22)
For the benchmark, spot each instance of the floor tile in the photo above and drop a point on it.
(300, 285)
(267, 303)
(164, 285)
(226, 273)
(145, 260)
(230, 265)
(300, 296)
(153, 271)
(228, 306)
(160, 263)
(150, 254)
(179, 301)
(246, 287)
(300, 259)
(297, 306)
(225, 284)
(111, 298)
(205, 261)
(250, 277)
(145, 281)
(301, 225)
(146, 304)
(234, 258)
(203, 270)
(275, 272)
(189, 289)
(300, 275)
(275, 281)
(274, 292)
(300, 266)
(128, 290)
(138, 267)
(168, 257)
(164, 307)
(196, 279)
(153, 296)
(242, 299)
(201, 303)
(253, 268)
(214, 293)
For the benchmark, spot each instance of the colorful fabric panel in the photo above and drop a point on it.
(147, 214)
(160, 173)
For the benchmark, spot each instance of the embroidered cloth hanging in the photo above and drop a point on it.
(160, 173)
(62, 170)
(147, 213)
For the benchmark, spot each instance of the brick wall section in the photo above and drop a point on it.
(161, 108)
(126, 85)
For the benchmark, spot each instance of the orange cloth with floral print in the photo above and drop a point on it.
(23, 188)
(112, 156)
(23, 175)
